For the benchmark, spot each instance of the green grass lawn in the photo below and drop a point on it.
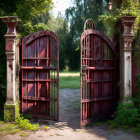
(69, 80)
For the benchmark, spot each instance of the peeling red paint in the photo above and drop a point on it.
(99, 75)
(40, 81)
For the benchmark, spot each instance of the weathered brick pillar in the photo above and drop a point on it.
(126, 56)
(10, 36)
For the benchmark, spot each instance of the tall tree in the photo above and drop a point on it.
(77, 15)
(42, 18)
(60, 26)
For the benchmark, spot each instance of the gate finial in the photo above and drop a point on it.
(89, 24)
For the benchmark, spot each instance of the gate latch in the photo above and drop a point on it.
(85, 68)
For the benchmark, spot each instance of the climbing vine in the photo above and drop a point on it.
(128, 8)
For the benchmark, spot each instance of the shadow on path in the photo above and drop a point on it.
(68, 126)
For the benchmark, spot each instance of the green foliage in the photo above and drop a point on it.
(128, 8)
(13, 131)
(59, 25)
(24, 135)
(40, 26)
(42, 18)
(9, 106)
(25, 124)
(28, 28)
(27, 116)
(11, 112)
(19, 125)
(83, 10)
(127, 115)
(25, 28)
(77, 15)
(7, 127)
(9, 115)
(136, 129)
(111, 18)
(45, 127)
(24, 9)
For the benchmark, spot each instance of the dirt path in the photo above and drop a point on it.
(69, 126)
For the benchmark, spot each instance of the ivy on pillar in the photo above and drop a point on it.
(10, 46)
(126, 56)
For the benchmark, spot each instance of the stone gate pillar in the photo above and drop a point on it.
(126, 56)
(10, 36)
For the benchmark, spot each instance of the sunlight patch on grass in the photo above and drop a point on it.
(69, 74)
(69, 80)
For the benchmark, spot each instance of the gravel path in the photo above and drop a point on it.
(68, 128)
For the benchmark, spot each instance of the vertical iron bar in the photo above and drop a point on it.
(26, 76)
(38, 83)
(81, 80)
(47, 74)
(102, 84)
(54, 95)
(91, 75)
(57, 82)
(22, 78)
(35, 80)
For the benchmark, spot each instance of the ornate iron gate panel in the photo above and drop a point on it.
(40, 75)
(99, 75)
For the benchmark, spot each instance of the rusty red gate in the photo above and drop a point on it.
(99, 75)
(40, 75)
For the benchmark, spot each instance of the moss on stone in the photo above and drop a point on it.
(9, 106)
(17, 110)
(9, 113)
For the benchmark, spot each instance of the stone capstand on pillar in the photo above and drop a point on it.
(126, 56)
(10, 46)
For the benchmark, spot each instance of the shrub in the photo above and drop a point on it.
(127, 115)
(25, 124)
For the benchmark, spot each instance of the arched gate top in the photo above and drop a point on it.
(101, 35)
(39, 34)
(89, 24)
